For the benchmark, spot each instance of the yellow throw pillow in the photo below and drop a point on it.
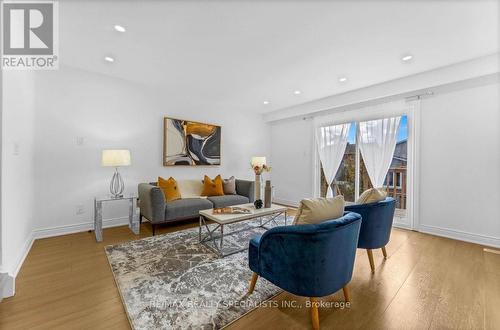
(213, 187)
(169, 188)
(317, 210)
(372, 195)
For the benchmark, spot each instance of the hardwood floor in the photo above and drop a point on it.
(427, 282)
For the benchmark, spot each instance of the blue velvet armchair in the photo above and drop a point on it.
(307, 260)
(376, 227)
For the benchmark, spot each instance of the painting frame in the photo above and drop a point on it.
(167, 158)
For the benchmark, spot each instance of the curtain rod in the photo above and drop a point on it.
(419, 96)
(406, 98)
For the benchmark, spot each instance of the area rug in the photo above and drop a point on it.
(171, 281)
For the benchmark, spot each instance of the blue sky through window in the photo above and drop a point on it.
(402, 132)
(352, 134)
(403, 129)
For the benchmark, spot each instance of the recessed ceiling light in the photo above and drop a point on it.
(297, 92)
(120, 28)
(109, 59)
(406, 58)
(342, 79)
(266, 102)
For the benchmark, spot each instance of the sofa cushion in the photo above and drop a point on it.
(372, 195)
(185, 208)
(228, 200)
(316, 210)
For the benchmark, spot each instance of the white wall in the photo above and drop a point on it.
(292, 160)
(460, 158)
(18, 182)
(460, 162)
(113, 113)
(2, 233)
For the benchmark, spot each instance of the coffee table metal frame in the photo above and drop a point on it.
(215, 241)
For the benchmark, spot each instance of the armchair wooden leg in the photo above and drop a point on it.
(384, 252)
(252, 283)
(346, 293)
(314, 313)
(370, 257)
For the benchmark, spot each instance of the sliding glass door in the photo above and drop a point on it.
(352, 177)
(396, 179)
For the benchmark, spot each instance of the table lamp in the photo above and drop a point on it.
(116, 158)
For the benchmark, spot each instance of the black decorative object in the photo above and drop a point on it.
(258, 204)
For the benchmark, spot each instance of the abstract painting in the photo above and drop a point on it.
(190, 143)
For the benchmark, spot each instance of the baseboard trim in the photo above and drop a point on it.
(461, 235)
(8, 274)
(285, 202)
(22, 256)
(7, 279)
(77, 228)
(401, 225)
(7, 285)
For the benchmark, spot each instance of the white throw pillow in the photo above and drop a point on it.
(317, 210)
(372, 195)
(190, 188)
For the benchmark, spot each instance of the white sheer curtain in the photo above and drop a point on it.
(331, 142)
(377, 141)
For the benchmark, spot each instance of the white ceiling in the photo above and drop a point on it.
(236, 54)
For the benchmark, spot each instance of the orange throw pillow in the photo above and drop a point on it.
(169, 188)
(213, 187)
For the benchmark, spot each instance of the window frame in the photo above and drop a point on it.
(396, 176)
(407, 107)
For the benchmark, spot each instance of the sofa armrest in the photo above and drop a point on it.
(246, 188)
(152, 202)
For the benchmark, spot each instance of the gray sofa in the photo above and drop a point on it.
(156, 210)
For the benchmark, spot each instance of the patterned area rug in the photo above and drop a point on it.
(171, 281)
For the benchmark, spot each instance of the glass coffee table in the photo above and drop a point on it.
(213, 236)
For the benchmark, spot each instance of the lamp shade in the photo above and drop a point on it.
(258, 161)
(116, 157)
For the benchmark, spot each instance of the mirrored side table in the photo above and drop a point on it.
(133, 219)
